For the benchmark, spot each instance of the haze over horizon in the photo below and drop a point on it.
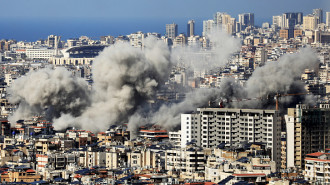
(33, 20)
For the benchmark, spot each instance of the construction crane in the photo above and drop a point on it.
(278, 96)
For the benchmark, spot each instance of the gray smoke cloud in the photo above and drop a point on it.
(169, 116)
(124, 78)
(54, 91)
(199, 59)
(222, 44)
(282, 76)
(279, 76)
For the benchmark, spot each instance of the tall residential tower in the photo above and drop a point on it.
(191, 28)
(171, 30)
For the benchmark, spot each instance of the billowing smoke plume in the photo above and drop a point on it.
(169, 116)
(281, 76)
(124, 78)
(54, 91)
(223, 46)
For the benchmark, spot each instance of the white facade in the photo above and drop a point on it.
(194, 41)
(277, 20)
(290, 137)
(310, 22)
(9, 79)
(208, 26)
(186, 160)
(137, 39)
(175, 138)
(327, 21)
(317, 168)
(40, 53)
(213, 126)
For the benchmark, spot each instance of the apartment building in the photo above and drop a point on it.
(308, 131)
(40, 53)
(175, 138)
(317, 168)
(187, 160)
(209, 127)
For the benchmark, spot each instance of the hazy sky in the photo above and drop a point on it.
(126, 9)
(17, 14)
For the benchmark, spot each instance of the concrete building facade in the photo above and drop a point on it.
(210, 127)
(171, 30)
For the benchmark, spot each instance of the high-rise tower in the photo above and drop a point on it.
(171, 30)
(318, 13)
(246, 19)
(327, 19)
(191, 28)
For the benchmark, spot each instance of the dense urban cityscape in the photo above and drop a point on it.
(238, 104)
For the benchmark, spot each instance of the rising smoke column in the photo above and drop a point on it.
(198, 59)
(168, 116)
(124, 78)
(281, 76)
(55, 91)
(223, 46)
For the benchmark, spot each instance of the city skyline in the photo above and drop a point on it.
(37, 19)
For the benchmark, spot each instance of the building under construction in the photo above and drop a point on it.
(308, 131)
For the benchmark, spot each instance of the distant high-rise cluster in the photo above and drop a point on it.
(246, 19)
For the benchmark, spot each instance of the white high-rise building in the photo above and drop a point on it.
(310, 22)
(277, 20)
(223, 21)
(327, 19)
(208, 26)
(210, 127)
(137, 39)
